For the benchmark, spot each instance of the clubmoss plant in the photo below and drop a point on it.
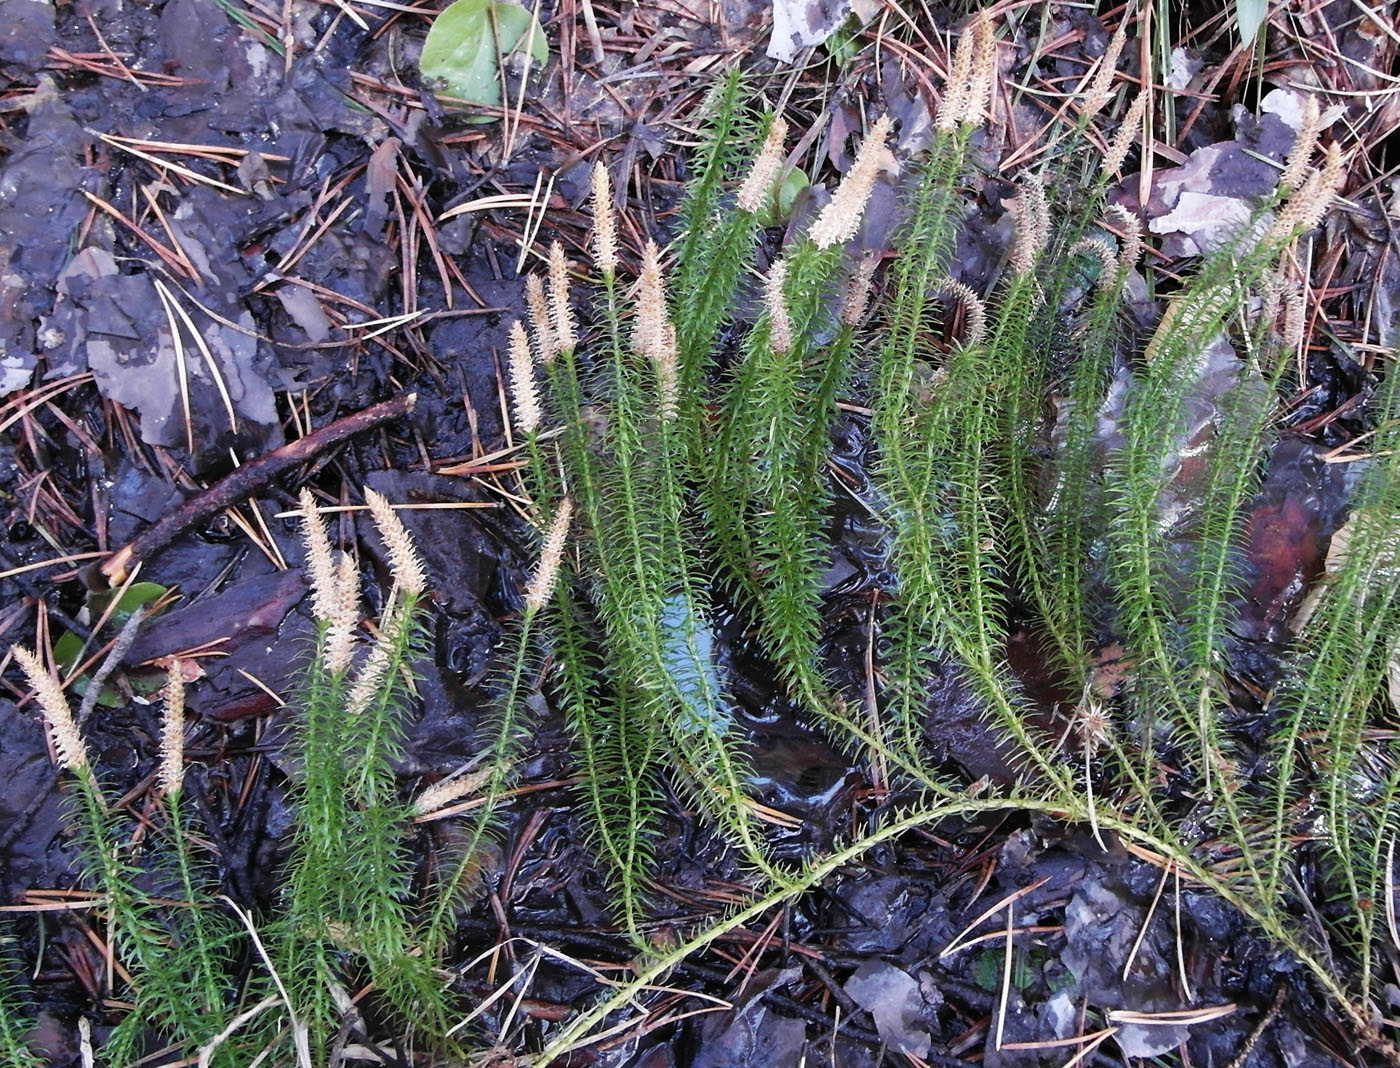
(998, 507)
(499, 739)
(671, 462)
(627, 453)
(206, 935)
(1054, 539)
(767, 483)
(350, 910)
(1341, 671)
(349, 892)
(962, 476)
(715, 242)
(930, 607)
(162, 925)
(17, 1018)
(628, 468)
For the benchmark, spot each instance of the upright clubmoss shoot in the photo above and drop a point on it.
(523, 388)
(1129, 128)
(564, 335)
(349, 880)
(763, 174)
(604, 224)
(176, 953)
(1299, 161)
(838, 221)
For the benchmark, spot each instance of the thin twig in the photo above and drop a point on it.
(247, 479)
(120, 646)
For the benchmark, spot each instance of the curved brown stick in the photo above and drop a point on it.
(244, 481)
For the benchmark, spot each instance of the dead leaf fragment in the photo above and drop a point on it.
(1208, 221)
(306, 311)
(799, 24)
(893, 998)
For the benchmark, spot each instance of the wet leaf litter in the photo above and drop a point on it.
(219, 320)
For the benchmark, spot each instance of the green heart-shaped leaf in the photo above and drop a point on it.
(465, 45)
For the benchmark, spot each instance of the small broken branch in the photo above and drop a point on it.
(246, 480)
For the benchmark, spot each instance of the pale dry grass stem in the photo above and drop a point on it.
(840, 219)
(546, 576)
(763, 175)
(1208, 305)
(522, 381)
(1165, 326)
(58, 716)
